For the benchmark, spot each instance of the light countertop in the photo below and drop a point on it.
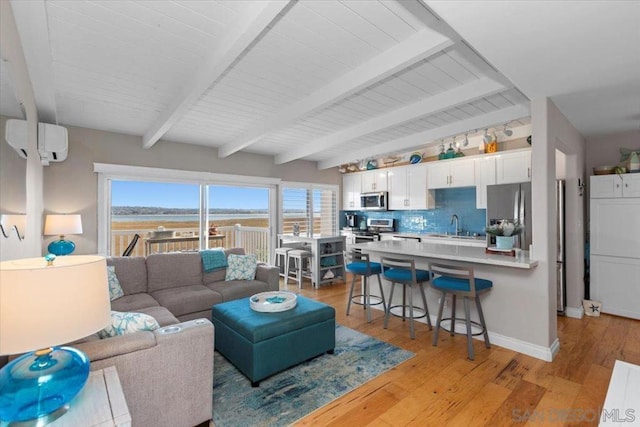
(470, 254)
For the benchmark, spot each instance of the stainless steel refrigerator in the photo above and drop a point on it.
(511, 202)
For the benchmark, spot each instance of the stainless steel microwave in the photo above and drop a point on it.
(378, 201)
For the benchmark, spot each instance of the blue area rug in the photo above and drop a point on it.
(296, 392)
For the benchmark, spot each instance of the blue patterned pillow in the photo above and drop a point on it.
(241, 267)
(128, 323)
(115, 290)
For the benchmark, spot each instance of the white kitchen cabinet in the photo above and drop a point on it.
(408, 188)
(451, 173)
(615, 227)
(615, 282)
(374, 180)
(615, 245)
(485, 169)
(513, 167)
(351, 189)
(607, 186)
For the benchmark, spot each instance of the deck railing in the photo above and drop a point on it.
(254, 240)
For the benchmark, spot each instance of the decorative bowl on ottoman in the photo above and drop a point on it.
(273, 302)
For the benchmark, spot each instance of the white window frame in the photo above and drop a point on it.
(309, 187)
(108, 172)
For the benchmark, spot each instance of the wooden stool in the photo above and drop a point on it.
(299, 256)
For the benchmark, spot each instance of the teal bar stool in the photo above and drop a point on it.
(358, 264)
(404, 272)
(459, 281)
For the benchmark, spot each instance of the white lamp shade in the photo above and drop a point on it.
(62, 225)
(42, 306)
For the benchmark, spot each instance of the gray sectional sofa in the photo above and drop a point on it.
(167, 374)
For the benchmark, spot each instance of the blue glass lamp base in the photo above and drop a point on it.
(61, 247)
(38, 385)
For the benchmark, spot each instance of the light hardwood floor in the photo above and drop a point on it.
(441, 387)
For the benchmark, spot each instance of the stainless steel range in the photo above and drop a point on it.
(375, 227)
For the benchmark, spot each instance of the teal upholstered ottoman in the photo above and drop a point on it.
(262, 344)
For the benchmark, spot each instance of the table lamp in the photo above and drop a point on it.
(62, 225)
(44, 303)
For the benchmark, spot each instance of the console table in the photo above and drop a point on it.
(100, 403)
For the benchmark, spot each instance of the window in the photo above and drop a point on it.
(311, 209)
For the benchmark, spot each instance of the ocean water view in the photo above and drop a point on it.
(183, 218)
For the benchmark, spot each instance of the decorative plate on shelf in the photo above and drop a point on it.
(415, 158)
(273, 302)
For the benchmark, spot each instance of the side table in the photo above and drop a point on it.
(100, 403)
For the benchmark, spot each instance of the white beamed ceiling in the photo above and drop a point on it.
(326, 81)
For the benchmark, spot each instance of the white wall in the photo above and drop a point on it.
(71, 186)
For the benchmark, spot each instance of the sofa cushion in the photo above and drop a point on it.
(219, 275)
(123, 323)
(172, 270)
(161, 314)
(241, 267)
(187, 299)
(115, 290)
(131, 272)
(133, 302)
(235, 289)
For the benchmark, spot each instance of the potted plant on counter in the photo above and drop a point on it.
(504, 232)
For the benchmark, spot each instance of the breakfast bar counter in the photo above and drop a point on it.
(511, 307)
(475, 255)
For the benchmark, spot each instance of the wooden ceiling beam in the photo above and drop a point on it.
(241, 36)
(416, 48)
(419, 140)
(441, 102)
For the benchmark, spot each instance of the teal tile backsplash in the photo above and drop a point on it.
(459, 201)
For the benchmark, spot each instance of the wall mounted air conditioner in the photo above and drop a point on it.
(53, 143)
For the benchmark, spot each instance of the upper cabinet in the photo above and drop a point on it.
(451, 173)
(408, 188)
(513, 167)
(374, 180)
(608, 186)
(351, 189)
(485, 169)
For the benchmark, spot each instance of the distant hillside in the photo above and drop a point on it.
(150, 210)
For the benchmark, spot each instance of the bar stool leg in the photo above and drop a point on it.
(300, 269)
(484, 325)
(384, 305)
(286, 268)
(367, 299)
(467, 319)
(388, 311)
(440, 309)
(412, 332)
(353, 284)
(453, 315)
(426, 307)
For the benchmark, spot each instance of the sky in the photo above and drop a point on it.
(172, 195)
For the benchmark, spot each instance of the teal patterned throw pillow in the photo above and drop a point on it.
(241, 267)
(128, 323)
(115, 290)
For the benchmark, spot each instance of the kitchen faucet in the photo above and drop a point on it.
(455, 218)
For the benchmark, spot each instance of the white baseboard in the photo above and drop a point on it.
(574, 312)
